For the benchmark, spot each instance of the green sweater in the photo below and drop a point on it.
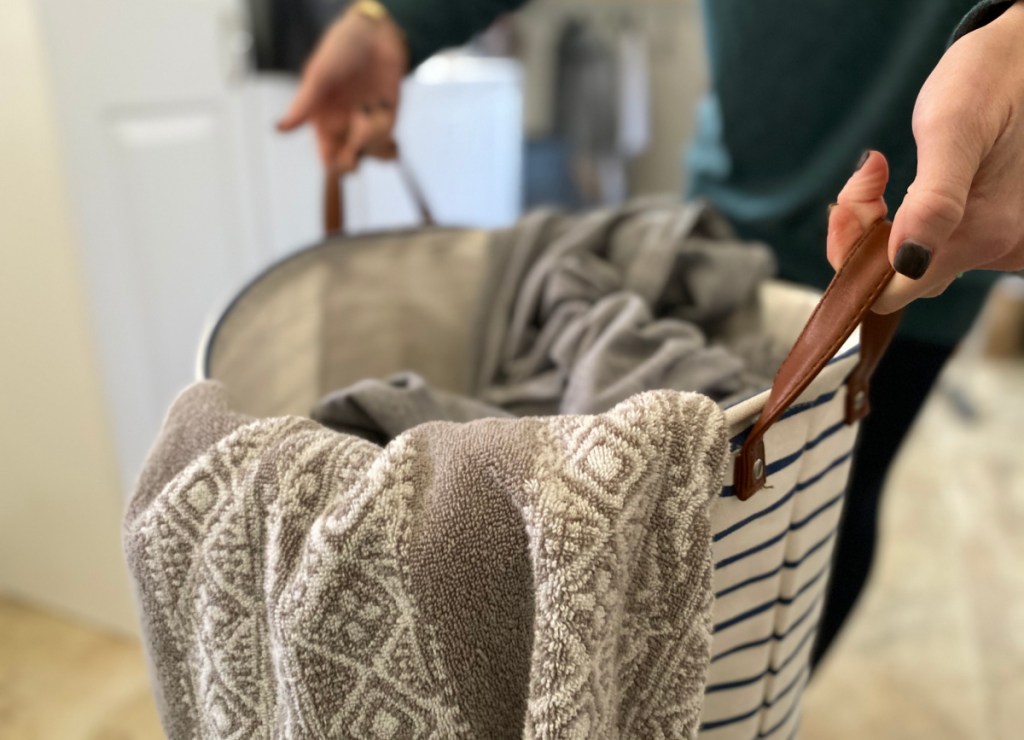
(798, 92)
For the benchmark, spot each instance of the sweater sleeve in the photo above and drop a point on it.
(432, 25)
(980, 15)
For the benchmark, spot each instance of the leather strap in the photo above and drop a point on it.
(334, 210)
(334, 197)
(844, 304)
(876, 331)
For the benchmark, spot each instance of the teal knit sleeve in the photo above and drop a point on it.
(980, 15)
(432, 25)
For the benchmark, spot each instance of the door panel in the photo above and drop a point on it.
(183, 219)
(152, 121)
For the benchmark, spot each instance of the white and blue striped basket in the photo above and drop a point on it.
(322, 319)
(772, 553)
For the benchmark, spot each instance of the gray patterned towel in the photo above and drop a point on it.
(538, 577)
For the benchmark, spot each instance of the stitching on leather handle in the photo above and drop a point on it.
(848, 328)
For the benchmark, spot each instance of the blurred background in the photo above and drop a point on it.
(142, 182)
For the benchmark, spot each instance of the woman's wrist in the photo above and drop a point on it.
(376, 13)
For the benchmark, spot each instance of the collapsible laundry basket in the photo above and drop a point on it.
(317, 321)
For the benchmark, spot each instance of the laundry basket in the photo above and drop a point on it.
(314, 322)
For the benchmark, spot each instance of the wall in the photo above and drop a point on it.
(59, 498)
(677, 65)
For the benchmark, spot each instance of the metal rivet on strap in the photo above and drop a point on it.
(859, 399)
(758, 469)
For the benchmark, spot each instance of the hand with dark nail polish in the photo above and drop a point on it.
(964, 208)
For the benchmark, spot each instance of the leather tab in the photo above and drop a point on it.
(750, 475)
(842, 307)
(877, 331)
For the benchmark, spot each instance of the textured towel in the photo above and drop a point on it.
(538, 577)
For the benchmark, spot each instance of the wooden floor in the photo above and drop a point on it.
(62, 681)
(936, 649)
(935, 652)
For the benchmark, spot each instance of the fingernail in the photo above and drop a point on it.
(862, 160)
(912, 260)
(831, 206)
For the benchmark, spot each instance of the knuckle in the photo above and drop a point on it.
(924, 121)
(931, 116)
(934, 204)
(934, 114)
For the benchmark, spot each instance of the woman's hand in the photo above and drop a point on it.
(965, 209)
(349, 88)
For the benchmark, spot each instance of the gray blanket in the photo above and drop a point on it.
(584, 311)
(539, 577)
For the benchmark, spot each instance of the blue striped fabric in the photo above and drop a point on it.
(772, 556)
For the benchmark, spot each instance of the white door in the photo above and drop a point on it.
(151, 115)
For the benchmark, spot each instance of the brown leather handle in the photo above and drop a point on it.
(334, 197)
(844, 304)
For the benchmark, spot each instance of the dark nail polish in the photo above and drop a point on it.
(912, 260)
(863, 159)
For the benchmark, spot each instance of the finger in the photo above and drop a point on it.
(331, 126)
(304, 104)
(935, 203)
(360, 133)
(865, 190)
(387, 150)
(328, 144)
(860, 203)
(381, 143)
(920, 246)
(901, 291)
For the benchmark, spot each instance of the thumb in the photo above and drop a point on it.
(934, 205)
(303, 104)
